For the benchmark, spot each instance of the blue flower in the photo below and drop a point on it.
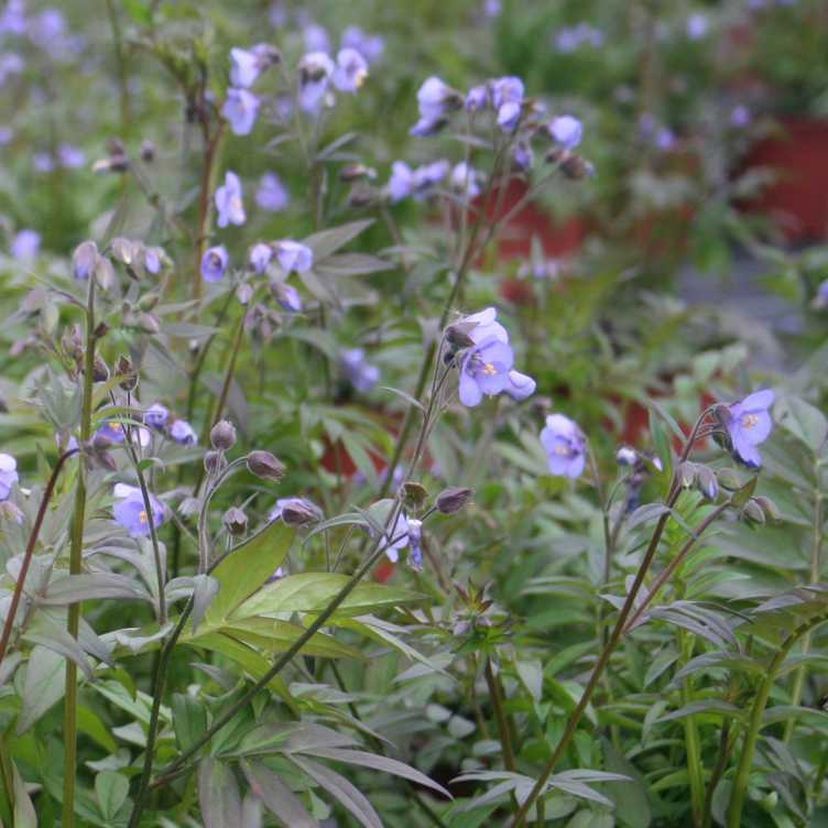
(130, 511)
(508, 116)
(287, 296)
(241, 108)
(293, 256)
(214, 264)
(272, 194)
(820, 301)
(484, 369)
(566, 131)
(316, 38)
(260, 256)
(697, 26)
(156, 416)
(396, 539)
(85, 260)
(477, 98)
(351, 70)
(465, 181)
(8, 475)
(740, 116)
(315, 70)
(415, 540)
(435, 100)
(360, 373)
(483, 325)
(182, 432)
(565, 446)
(112, 431)
(522, 156)
(25, 245)
(229, 201)
(521, 386)
(70, 157)
(244, 67)
(507, 89)
(152, 260)
(370, 47)
(748, 424)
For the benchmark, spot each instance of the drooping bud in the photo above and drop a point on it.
(626, 456)
(265, 465)
(300, 512)
(453, 499)
(357, 172)
(235, 521)
(458, 334)
(126, 371)
(770, 508)
(706, 482)
(214, 462)
(223, 435)
(100, 370)
(147, 151)
(414, 495)
(753, 512)
(84, 260)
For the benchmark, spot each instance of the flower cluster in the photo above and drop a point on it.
(486, 362)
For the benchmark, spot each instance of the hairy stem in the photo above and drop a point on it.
(70, 723)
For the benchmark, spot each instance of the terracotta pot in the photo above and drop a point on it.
(798, 201)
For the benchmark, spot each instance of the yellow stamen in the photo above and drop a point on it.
(142, 517)
(750, 420)
(489, 369)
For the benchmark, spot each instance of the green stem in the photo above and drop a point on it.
(603, 659)
(503, 731)
(70, 723)
(692, 743)
(120, 59)
(229, 374)
(816, 555)
(738, 792)
(205, 202)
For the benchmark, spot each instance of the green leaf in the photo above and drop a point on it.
(25, 815)
(329, 241)
(218, 795)
(311, 592)
(69, 589)
(803, 420)
(246, 568)
(381, 763)
(340, 789)
(189, 717)
(112, 790)
(42, 687)
(279, 799)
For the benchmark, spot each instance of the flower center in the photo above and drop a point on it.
(116, 427)
(489, 369)
(236, 204)
(142, 517)
(750, 420)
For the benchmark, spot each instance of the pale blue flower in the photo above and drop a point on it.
(272, 194)
(229, 202)
(565, 446)
(749, 423)
(8, 475)
(293, 256)
(241, 108)
(566, 131)
(214, 264)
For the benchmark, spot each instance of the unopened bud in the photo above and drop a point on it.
(104, 273)
(729, 479)
(265, 465)
(84, 260)
(148, 301)
(100, 371)
(357, 172)
(300, 512)
(770, 508)
(235, 521)
(214, 462)
(147, 151)
(626, 456)
(753, 512)
(148, 323)
(453, 499)
(414, 494)
(126, 371)
(223, 435)
(707, 483)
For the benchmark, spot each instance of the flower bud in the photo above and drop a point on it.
(299, 512)
(84, 260)
(453, 499)
(356, 172)
(223, 435)
(189, 507)
(100, 371)
(214, 462)
(729, 479)
(265, 465)
(414, 494)
(770, 508)
(147, 151)
(126, 371)
(706, 482)
(235, 521)
(753, 512)
(148, 323)
(626, 456)
(458, 334)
